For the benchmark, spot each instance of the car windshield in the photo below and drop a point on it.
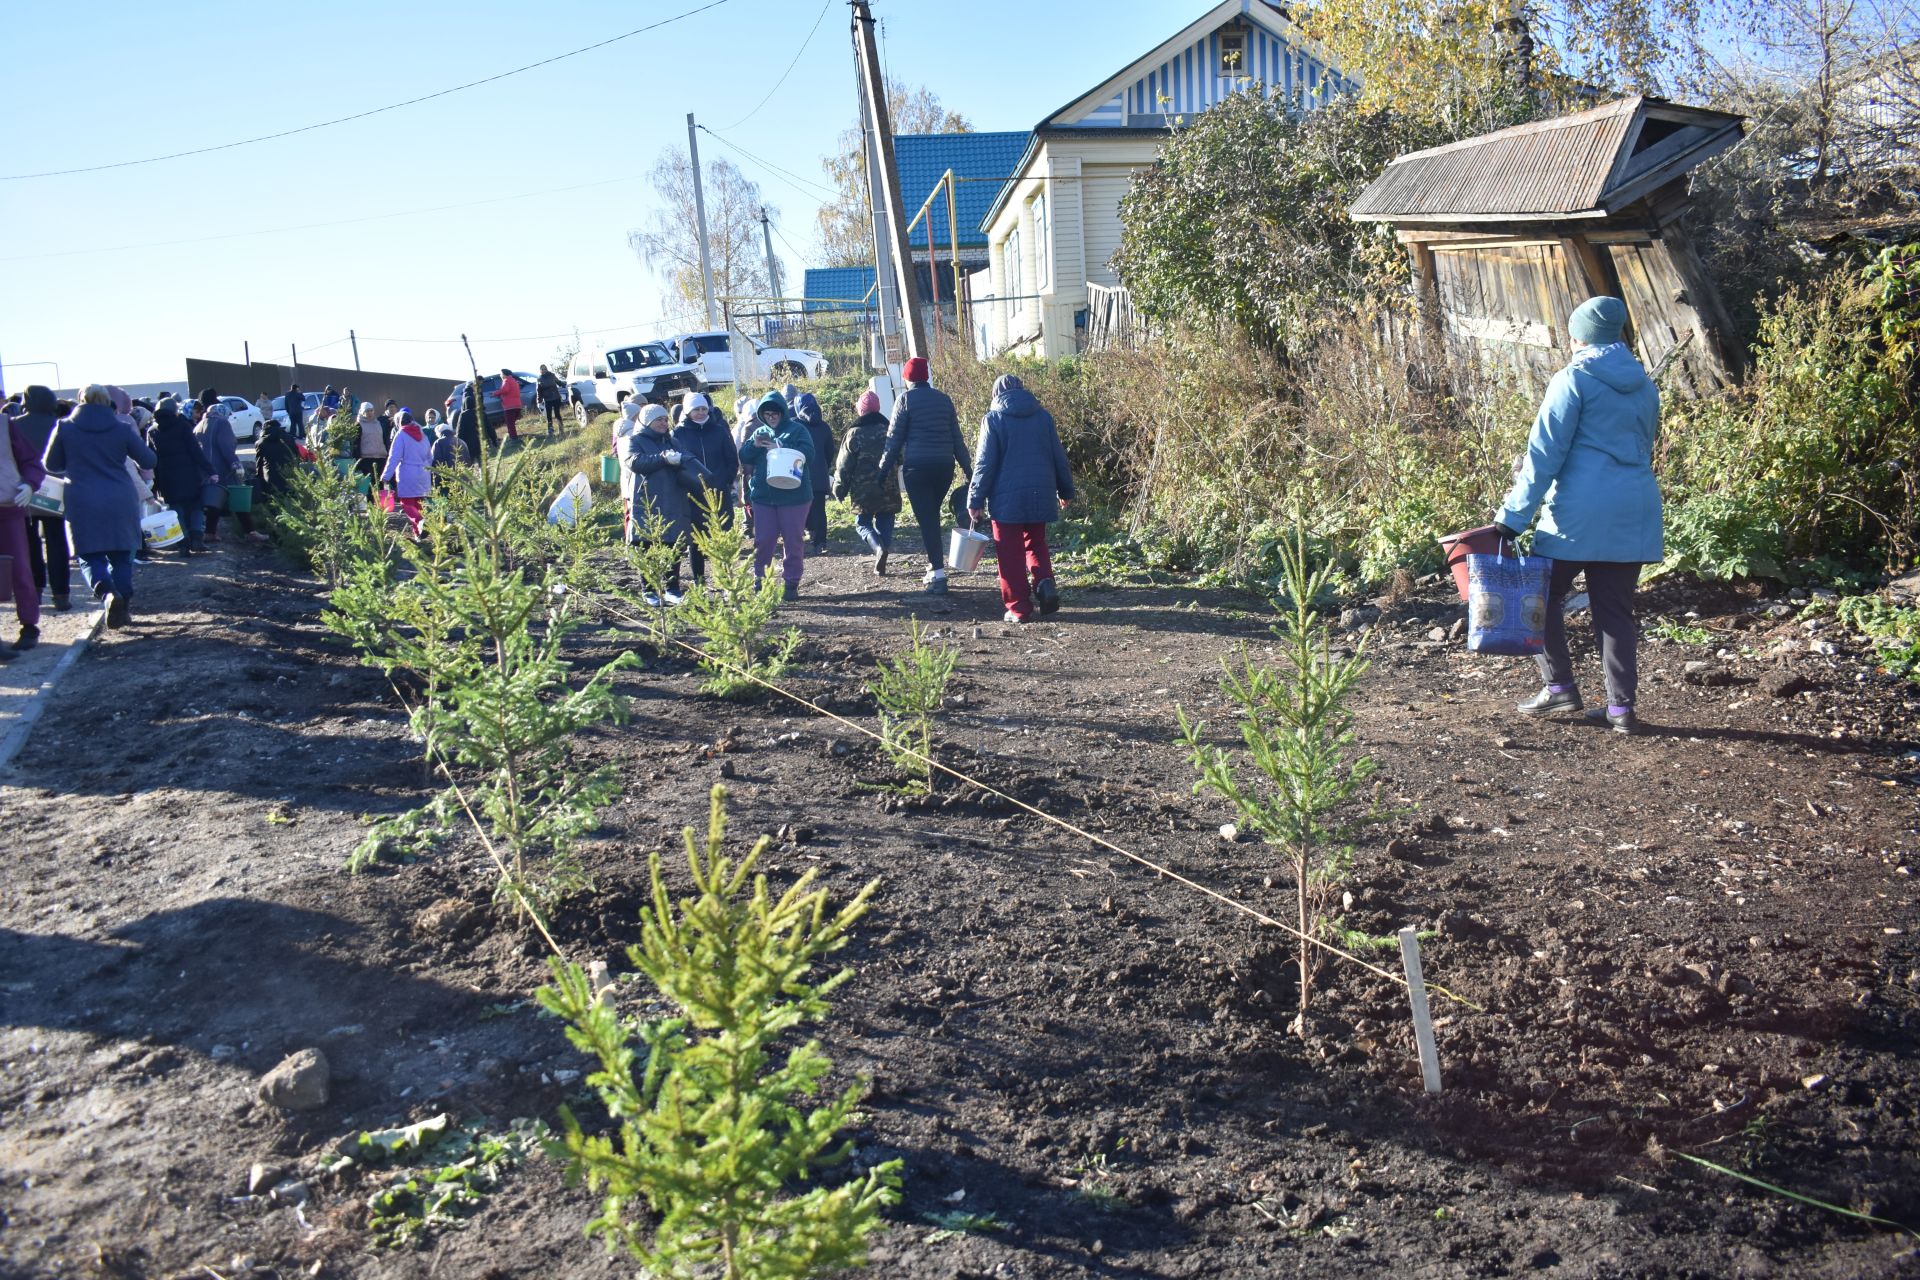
(644, 356)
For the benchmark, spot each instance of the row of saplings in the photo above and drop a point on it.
(712, 1123)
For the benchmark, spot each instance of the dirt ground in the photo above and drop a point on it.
(1700, 941)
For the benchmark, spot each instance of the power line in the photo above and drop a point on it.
(361, 115)
(784, 74)
(790, 177)
(782, 236)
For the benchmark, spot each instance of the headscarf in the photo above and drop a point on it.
(408, 425)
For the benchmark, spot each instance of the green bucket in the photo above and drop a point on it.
(343, 466)
(239, 498)
(609, 469)
(363, 483)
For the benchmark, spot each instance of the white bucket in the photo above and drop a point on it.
(50, 499)
(965, 549)
(785, 468)
(162, 528)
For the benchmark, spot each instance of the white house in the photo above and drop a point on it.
(1053, 229)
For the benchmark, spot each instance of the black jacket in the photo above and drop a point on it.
(36, 424)
(276, 458)
(925, 433)
(182, 468)
(817, 426)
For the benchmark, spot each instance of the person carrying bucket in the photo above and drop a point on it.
(925, 440)
(1588, 471)
(779, 460)
(1022, 478)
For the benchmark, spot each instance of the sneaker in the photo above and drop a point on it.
(29, 637)
(1546, 702)
(672, 598)
(652, 600)
(790, 592)
(1046, 596)
(1626, 722)
(256, 536)
(119, 611)
(1017, 619)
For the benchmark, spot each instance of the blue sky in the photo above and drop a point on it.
(91, 84)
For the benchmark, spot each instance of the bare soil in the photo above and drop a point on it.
(1698, 941)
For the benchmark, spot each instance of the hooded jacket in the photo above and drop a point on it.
(91, 449)
(808, 411)
(1022, 473)
(857, 475)
(36, 424)
(711, 444)
(275, 458)
(409, 463)
(790, 434)
(182, 469)
(925, 433)
(1588, 469)
(216, 440)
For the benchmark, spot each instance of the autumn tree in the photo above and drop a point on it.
(670, 242)
(846, 222)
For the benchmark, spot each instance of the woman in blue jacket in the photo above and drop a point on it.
(1588, 471)
(1022, 480)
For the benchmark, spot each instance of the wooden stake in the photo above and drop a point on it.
(1422, 1020)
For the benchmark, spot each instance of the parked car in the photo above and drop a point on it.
(245, 419)
(311, 399)
(490, 402)
(599, 380)
(712, 353)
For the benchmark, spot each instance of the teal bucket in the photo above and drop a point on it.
(609, 469)
(363, 483)
(343, 466)
(239, 498)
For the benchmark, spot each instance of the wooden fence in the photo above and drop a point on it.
(1112, 320)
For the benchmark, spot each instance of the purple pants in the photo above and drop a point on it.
(785, 525)
(13, 542)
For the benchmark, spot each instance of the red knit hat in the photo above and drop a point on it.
(916, 370)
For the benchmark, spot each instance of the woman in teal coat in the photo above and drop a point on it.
(1588, 472)
(779, 513)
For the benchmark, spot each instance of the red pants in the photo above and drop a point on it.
(410, 508)
(1024, 560)
(513, 420)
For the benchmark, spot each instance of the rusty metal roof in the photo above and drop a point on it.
(1584, 165)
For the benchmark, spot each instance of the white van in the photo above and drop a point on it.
(600, 378)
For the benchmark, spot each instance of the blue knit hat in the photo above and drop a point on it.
(1598, 321)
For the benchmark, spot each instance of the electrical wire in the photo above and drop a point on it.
(784, 74)
(798, 256)
(374, 111)
(790, 177)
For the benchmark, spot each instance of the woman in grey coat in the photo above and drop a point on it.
(91, 449)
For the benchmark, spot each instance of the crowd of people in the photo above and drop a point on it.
(117, 462)
(777, 462)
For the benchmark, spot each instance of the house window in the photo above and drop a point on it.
(1233, 53)
(1042, 250)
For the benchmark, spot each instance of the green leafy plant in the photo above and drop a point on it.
(450, 1172)
(961, 1222)
(1678, 632)
(1296, 774)
(714, 1126)
(733, 612)
(1894, 630)
(910, 690)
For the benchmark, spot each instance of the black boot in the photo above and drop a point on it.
(1626, 722)
(1546, 702)
(1047, 596)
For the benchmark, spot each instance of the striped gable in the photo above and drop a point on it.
(1188, 74)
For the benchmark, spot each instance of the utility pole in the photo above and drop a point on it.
(246, 353)
(700, 215)
(354, 341)
(886, 177)
(889, 296)
(773, 264)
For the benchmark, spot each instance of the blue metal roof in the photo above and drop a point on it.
(837, 289)
(923, 157)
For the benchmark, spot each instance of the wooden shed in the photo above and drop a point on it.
(1511, 230)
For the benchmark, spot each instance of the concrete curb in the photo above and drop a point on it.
(16, 734)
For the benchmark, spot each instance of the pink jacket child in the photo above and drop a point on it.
(409, 468)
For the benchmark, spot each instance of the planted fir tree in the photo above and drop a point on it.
(715, 1128)
(910, 690)
(733, 613)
